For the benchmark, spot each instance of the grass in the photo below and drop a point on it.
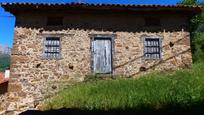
(183, 88)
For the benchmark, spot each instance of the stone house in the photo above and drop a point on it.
(56, 43)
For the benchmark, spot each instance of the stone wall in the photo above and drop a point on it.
(33, 77)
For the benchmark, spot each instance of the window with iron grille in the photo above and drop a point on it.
(52, 47)
(152, 49)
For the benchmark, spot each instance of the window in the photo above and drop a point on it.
(54, 21)
(152, 48)
(52, 47)
(152, 21)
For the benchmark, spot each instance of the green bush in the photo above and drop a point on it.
(4, 62)
(182, 87)
(188, 2)
(197, 31)
(198, 46)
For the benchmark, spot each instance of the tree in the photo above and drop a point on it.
(197, 31)
(188, 2)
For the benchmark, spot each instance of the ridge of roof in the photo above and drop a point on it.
(15, 7)
(101, 4)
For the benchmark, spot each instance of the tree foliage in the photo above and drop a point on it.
(4, 62)
(188, 2)
(197, 31)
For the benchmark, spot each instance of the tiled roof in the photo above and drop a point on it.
(119, 5)
(110, 6)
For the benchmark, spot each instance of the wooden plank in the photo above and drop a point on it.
(102, 55)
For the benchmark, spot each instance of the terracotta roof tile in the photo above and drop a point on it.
(102, 5)
(91, 4)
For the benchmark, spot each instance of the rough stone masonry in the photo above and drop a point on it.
(33, 76)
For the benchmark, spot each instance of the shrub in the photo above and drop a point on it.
(4, 62)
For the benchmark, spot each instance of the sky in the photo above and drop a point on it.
(7, 20)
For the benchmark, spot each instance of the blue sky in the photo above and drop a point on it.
(7, 21)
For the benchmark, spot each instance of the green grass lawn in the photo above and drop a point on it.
(183, 88)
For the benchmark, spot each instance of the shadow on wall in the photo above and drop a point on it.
(163, 61)
(112, 23)
(103, 21)
(108, 28)
(194, 109)
(95, 21)
(159, 62)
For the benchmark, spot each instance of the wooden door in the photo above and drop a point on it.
(102, 55)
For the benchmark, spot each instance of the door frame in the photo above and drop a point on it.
(102, 36)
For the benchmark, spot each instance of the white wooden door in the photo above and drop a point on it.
(102, 55)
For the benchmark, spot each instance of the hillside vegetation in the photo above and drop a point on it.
(184, 88)
(4, 62)
(197, 32)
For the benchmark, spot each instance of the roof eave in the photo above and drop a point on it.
(14, 7)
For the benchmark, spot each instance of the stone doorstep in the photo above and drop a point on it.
(12, 112)
(2, 112)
